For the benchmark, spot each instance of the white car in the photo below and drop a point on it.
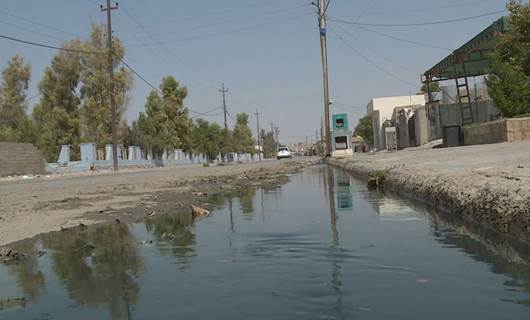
(283, 153)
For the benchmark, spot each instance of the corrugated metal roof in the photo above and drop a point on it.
(473, 54)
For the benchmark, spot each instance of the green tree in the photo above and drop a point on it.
(509, 78)
(177, 123)
(242, 141)
(13, 105)
(207, 138)
(95, 104)
(434, 86)
(57, 113)
(364, 129)
(268, 143)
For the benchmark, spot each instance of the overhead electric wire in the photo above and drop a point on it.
(158, 90)
(370, 60)
(168, 50)
(210, 35)
(327, 6)
(458, 4)
(230, 10)
(376, 52)
(417, 23)
(42, 34)
(227, 21)
(401, 39)
(36, 23)
(37, 44)
(206, 112)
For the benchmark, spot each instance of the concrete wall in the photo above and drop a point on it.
(382, 109)
(421, 127)
(20, 159)
(518, 129)
(483, 111)
(504, 130)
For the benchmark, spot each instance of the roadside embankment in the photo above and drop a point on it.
(487, 184)
(31, 207)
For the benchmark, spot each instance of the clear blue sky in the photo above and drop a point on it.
(265, 51)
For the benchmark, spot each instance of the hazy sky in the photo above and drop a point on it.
(266, 52)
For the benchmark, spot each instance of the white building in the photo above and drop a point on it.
(382, 109)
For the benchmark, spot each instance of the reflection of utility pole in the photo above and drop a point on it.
(231, 214)
(277, 132)
(110, 66)
(259, 140)
(331, 198)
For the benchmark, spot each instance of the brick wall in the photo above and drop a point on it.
(20, 159)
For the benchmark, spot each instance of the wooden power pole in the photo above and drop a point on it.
(225, 112)
(322, 7)
(112, 99)
(277, 132)
(259, 140)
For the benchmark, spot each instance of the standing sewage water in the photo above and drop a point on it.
(320, 247)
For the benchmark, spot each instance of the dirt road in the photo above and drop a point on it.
(30, 207)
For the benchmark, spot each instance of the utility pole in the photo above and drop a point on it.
(322, 7)
(259, 141)
(108, 9)
(277, 132)
(224, 91)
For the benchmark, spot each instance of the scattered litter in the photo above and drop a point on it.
(150, 214)
(106, 210)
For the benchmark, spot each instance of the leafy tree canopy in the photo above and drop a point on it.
(509, 79)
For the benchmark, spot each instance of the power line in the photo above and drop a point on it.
(363, 11)
(227, 21)
(418, 23)
(37, 44)
(36, 23)
(140, 76)
(372, 62)
(230, 10)
(157, 89)
(458, 4)
(242, 29)
(167, 49)
(384, 57)
(31, 30)
(401, 39)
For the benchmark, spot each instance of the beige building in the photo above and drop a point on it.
(382, 109)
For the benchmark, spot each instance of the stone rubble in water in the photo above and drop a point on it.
(8, 255)
(199, 213)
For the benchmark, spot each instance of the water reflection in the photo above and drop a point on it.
(174, 235)
(27, 274)
(336, 261)
(291, 244)
(98, 266)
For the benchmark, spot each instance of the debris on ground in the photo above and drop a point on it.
(8, 255)
(199, 212)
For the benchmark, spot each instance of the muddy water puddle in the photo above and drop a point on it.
(320, 247)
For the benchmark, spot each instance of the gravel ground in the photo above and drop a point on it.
(50, 203)
(484, 184)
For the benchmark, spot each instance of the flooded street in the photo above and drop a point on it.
(320, 247)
